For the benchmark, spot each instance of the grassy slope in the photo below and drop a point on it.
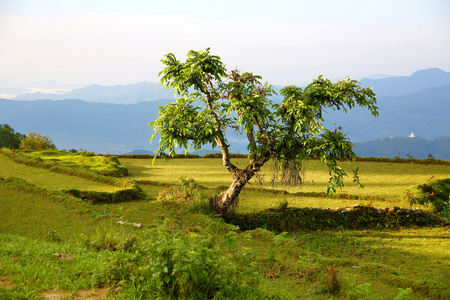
(386, 259)
(50, 180)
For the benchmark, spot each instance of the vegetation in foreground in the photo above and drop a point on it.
(53, 244)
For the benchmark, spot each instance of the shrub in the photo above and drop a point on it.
(191, 266)
(187, 195)
(436, 194)
(35, 142)
(295, 219)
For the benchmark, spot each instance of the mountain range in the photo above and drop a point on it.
(115, 119)
(119, 94)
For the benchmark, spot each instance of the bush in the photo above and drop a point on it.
(436, 194)
(187, 195)
(295, 219)
(36, 142)
(191, 266)
(131, 194)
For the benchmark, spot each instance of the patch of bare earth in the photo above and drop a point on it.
(83, 294)
(5, 283)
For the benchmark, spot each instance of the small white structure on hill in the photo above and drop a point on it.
(412, 135)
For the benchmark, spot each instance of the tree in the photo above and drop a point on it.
(289, 132)
(9, 138)
(37, 142)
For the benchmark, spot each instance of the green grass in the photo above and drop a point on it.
(44, 249)
(51, 180)
(103, 165)
(384, 183)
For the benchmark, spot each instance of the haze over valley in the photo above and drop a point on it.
(114, 119)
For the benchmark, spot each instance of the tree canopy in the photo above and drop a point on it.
(212, 102)
(9, 138)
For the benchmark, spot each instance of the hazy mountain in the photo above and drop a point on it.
(38, 90)
(404, 85)
(147, 91)
(75, 124)
(406, 147)
(119, 128)
(124, 94)
(424, 113)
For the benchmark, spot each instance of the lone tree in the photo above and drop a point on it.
(289, 132)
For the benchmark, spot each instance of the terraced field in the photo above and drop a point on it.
(55, 246)
(51, 180)
(385, 184)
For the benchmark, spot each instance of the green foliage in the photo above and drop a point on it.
(110, 240)
(362, 292)
(190, 266)
(187, 196)
(296, 219)
(404, 294)
(411, 160)
(36, 142)
(9, 138)
(131, 194)
(103, 165)
(436, 193)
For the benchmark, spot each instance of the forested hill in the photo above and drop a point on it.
(405, 147)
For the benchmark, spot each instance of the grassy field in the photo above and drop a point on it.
(384, 183)
(50, 180)
(56, 246)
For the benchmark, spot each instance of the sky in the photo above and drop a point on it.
(285, 41)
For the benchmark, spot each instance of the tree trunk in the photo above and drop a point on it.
(226, 202)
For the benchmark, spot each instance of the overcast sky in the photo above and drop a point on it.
(285, 41)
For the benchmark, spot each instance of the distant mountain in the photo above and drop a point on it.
(426, 113)
(405, 147)
(405, 85)
(119, 128)
(76, 124)
(119, 94)
(421, 108)
(139, 152)
(148, 91)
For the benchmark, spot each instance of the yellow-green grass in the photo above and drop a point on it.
(29, 211)
(50, 180)
(104, 165)
(384, 183)
(295, 263)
